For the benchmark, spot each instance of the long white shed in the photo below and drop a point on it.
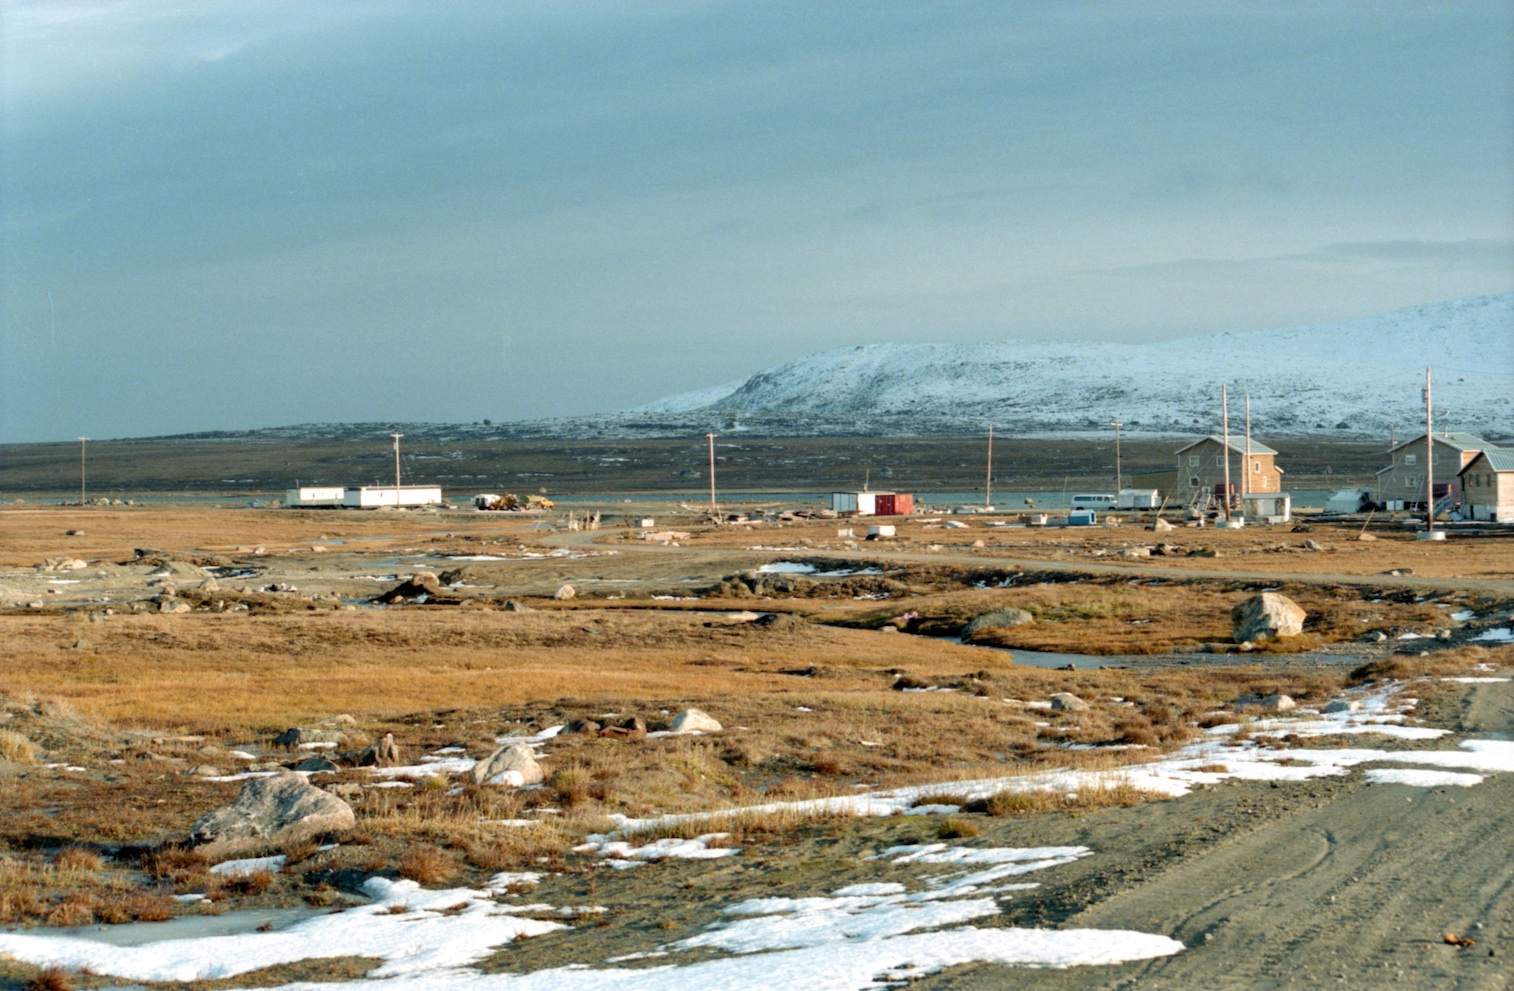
(314, 496)
(379, 496)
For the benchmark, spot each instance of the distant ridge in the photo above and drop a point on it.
(1361, 377)
(1357, 379)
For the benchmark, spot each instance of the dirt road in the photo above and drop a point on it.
(1333, 883)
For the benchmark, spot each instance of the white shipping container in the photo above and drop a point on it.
(1139, 499)
(314, 495)
(376, 497)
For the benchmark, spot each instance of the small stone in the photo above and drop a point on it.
(695, 720)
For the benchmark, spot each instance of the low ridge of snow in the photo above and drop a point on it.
(1358, 377)
(683, 402)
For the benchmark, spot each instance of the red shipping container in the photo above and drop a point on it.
(895, 504)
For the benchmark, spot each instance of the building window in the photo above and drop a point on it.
(1411, 459)
(1410, 483)
(1193, 460)
(1217, 459)
(1256, 466)
(1193, 482)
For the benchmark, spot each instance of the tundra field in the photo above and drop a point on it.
(1183, 827)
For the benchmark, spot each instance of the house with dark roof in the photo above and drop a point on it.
(1401, 485)
(1201, 471)
(1487, 485)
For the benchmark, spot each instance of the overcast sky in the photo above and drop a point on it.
(226, 215)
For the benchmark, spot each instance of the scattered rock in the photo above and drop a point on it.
(1344, 705)
(281, 807)
(1267, 703)
(587, 727)
(311, 765)
(296, 735)
(1365, 537)
(1313, 545)
(695, 720)
(64, 564)
(630, 728)
(173, 606)
(997, 620)
(1067, 702)
(1204, 552)
(204, 771)
(1161, 526)
(1136, 552)
(384, 753)
(566, 592)
(513, 765)
(422, 585)
(1267, 616)
(514, 606)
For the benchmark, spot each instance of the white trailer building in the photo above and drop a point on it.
(381, 496)
(314, 497)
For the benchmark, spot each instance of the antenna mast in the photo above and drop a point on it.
(1225, 420)
(1246, 467)
(711, 437)
(988, 482)
(1429, 463)
(396, 469)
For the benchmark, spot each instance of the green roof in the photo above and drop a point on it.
(1499, 458)
(1238, 446)
(1452, 439)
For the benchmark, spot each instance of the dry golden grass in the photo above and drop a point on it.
(205, 672)
(1109, 615)
(32, 891)
(1261, 549)
(50, 979)
(16, 748)
(31, 533)
(426, 864)
(1460, 660)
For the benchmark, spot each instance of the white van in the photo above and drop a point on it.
(1095, 500)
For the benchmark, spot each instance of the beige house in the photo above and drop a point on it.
(1201, 472)
(1401, 485)
(1487, 485)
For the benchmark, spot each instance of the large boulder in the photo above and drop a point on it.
(422, 586)
(694, 721)
(1067, 702)
(513, 764)
(997, 620)
(1266, 616)
(285, 806)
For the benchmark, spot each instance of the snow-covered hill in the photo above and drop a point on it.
(1362, 378)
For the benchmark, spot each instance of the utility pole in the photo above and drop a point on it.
(1225, 419)
(713, 507)
(396, 469)
(988, 482)
(1246, 465)
(83, 442)
(1119, 478)
(1429, 463)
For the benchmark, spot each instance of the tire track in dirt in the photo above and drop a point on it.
(1355, 890)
